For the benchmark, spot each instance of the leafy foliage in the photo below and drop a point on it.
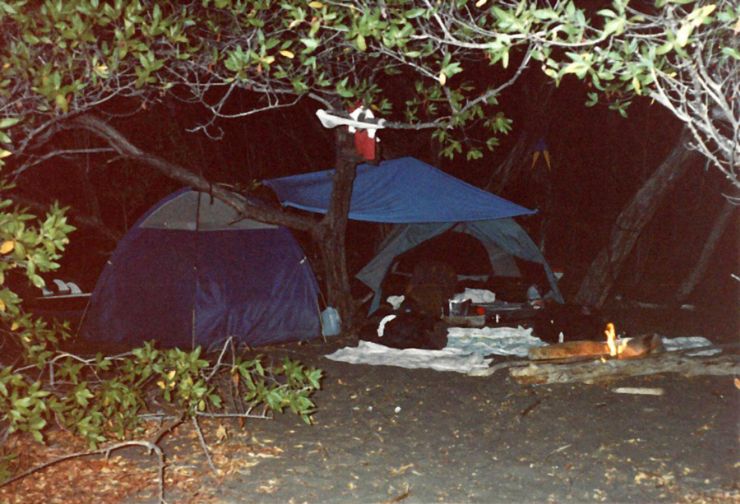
(684, 55)
(335, 54)
(423, 65)
(104, 398)
(31, 246)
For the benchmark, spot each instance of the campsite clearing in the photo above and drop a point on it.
(388, 434)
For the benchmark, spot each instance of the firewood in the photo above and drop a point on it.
(586, 348)
(594, 370)
(640, 346)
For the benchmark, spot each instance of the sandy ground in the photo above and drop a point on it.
(387, 434)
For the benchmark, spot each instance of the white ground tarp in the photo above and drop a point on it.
(467, 347)
(448, 359)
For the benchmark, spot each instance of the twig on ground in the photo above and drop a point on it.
(530, 408)
(654, 391)
(399, 498)
(227, 344)
(168, 428)
(247, 414)
(204, 445)
(559, 449)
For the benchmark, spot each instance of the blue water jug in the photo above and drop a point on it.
(330, 322)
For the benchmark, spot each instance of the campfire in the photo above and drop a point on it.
(614, 347)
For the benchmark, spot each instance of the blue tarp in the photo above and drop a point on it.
(403, 190)
(190, 272)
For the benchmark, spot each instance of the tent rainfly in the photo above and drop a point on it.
(192, 272)
(426, 202)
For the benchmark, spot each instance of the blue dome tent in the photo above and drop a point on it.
(192, 272)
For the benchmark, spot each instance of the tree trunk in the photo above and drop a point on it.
(605, 268)
(640, 258)
(332, 231)
(720, 224)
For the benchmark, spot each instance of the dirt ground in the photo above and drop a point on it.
(386, 434)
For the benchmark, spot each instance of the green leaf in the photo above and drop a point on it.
(310, 43)
(361, 44)
(215, 400)
(22, 403)
(82, 395)
(492, 143)
(731, 52)
(37, 423)
(664, 48)
(593, 99)
(414, 13)
(7, 122)
(614, 26)
(683, 34)
(37, 281)
(61, 102)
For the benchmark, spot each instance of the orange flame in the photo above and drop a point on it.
(615, 346)
(611, 336)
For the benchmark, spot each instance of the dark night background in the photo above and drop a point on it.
(383, 433)
(599, 160)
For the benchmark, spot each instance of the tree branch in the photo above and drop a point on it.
(126, 149)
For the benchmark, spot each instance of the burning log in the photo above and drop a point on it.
(628, 348)
(594, 370)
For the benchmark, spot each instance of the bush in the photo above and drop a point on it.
(104, 398)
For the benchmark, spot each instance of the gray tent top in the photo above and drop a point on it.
(503, 239)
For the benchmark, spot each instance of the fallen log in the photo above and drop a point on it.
(604, 369)
(630, 348)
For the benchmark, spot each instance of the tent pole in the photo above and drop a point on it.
(195, 271)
